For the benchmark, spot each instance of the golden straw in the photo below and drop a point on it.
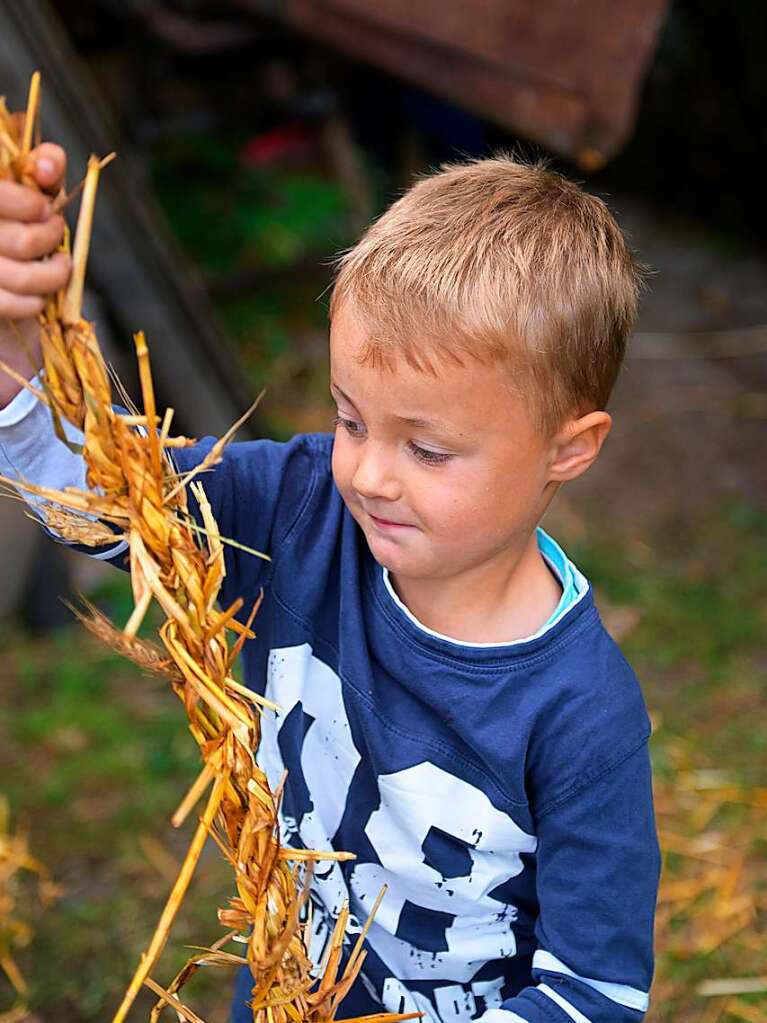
(135, 493)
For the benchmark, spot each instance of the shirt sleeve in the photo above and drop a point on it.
(598, 871)
(30, 451)
(256, 492)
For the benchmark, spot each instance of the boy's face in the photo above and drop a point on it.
(445, 475)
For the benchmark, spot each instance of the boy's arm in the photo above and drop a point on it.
(30, 269)
(598, 870)
(31, 451)
(255, 493)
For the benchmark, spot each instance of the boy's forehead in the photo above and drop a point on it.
(413, 415)
(452, 398)
(354, 367)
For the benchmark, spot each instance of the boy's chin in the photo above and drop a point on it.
(399, 561)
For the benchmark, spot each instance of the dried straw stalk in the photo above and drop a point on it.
(135, 490)
(15, 859)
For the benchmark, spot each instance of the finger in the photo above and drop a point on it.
(30, 241)
(17, 202)
(18, 307)
(50, 165)
(38, 277)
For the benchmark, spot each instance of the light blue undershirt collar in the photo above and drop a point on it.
(574, 587)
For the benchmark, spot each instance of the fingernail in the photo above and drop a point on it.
(46, 166)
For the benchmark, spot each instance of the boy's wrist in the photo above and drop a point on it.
(17, 408)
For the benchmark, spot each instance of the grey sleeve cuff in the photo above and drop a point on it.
(31, 451)
(20, 406)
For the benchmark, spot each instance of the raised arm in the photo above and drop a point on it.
(30, 267)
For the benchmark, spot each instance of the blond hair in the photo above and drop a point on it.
(505, 261)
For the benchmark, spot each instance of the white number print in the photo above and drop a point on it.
(443, 847)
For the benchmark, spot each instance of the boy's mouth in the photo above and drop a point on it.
(387, 523)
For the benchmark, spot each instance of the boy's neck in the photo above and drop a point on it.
(498, 602)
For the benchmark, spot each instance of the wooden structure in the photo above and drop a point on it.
(563, 74)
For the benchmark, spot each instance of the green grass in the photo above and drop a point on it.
(96, 757)
(698, 648)
(701, 606)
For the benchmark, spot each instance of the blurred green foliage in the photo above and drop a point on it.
(263, 238)
(230, 217)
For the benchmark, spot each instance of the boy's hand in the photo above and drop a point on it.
(29, 232)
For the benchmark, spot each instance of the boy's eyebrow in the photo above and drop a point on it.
(340, 393)
(418, 423)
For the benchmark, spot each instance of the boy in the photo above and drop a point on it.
(453, 711)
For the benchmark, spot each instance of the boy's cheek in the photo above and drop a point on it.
(337, 465)
(343, 473)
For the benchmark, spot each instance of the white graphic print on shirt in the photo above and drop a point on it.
(413, 801)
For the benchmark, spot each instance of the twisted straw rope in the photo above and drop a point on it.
(134, 487)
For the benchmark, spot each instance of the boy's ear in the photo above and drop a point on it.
(578, 444)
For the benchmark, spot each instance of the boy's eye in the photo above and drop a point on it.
(429, 457)
(352, 427)
(424, 455)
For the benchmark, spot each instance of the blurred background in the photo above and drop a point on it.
(256, 138)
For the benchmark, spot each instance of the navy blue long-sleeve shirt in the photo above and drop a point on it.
(502, 791)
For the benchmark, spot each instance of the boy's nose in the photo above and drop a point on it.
(374, 476)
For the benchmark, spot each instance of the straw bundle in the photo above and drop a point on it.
(136, 494)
